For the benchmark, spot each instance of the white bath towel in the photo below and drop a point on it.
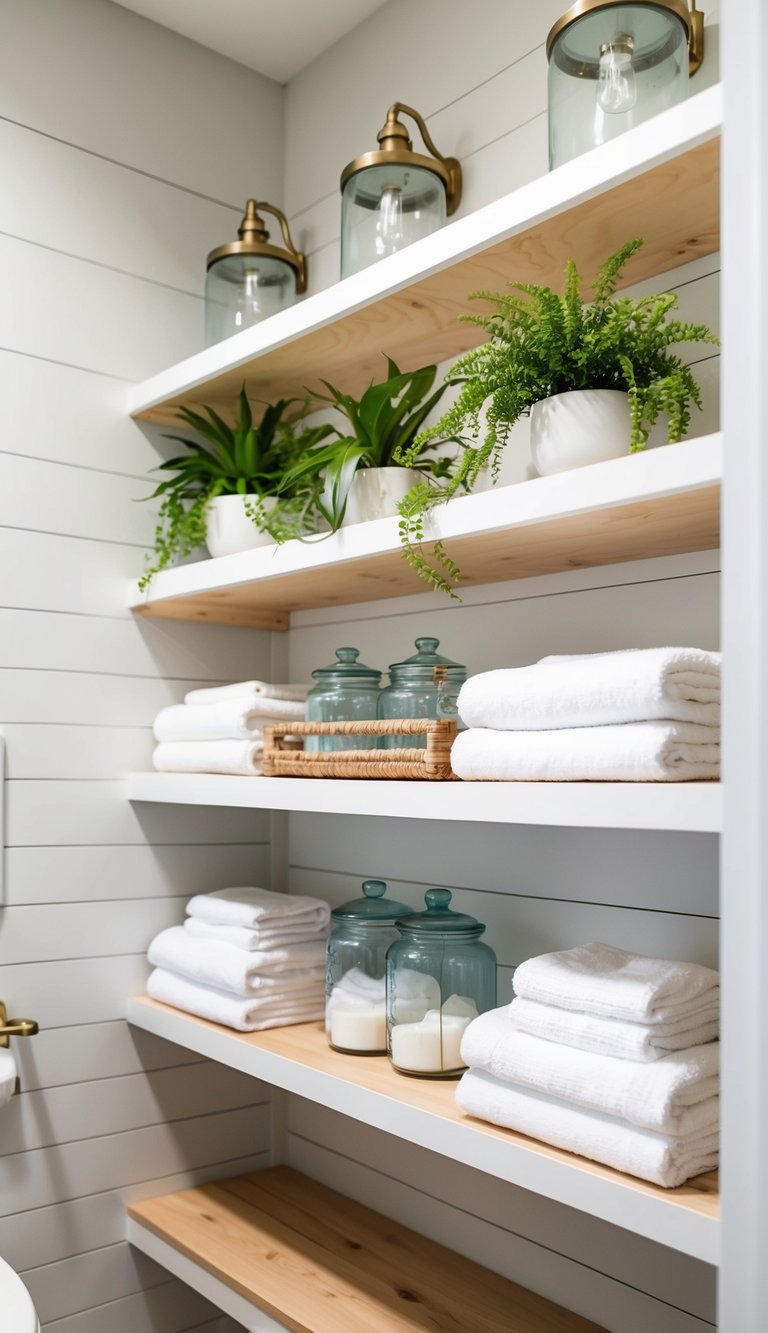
(257, 690)
(228, 968)
(596, 689)
(286, 946)
(241, 758)
(644, 1042)
(634, 752)
(601, 979)
(259, 909)
(678, 1094)
(661, 1158)
(246, 1015)
(230, 719)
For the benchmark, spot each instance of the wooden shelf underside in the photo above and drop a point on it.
(660, 181)
(663, 502)
(319, 1262)
(299, 1060)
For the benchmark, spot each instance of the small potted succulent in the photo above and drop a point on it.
(229, 493)
(595, 377)
(357, 476)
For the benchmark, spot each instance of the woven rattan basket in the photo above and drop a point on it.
(283, 758)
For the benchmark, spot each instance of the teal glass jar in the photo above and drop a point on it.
(425, 685)
(355, 988)
(440, 976)
(346, 691)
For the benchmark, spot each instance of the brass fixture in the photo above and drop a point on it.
(15, 1027)
(254, 240)
(396, 149)
(691, 18)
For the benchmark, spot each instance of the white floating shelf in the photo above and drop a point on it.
(659, 180)
(423, 1111)
(670, 806)
(665, 501)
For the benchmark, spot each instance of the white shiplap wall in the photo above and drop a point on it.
(126, 153)
(480, 79)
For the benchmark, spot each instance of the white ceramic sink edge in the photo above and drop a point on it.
(18, 1312)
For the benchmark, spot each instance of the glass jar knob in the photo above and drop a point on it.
(374, 888)
(437, 900)
(427, 645)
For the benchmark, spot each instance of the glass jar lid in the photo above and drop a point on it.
(421, 667)
(346, 667)
(439, 919)
(374, 907)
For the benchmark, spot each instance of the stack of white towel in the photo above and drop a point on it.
(247, 958)
(221, 730)
(607, 1054)
(644, 715)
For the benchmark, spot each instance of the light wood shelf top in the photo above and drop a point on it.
(299, 1060)
(665, 501)
(659, 180)
(687, 807)
(319, 1262)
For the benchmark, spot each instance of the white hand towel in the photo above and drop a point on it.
(588, 690)
(661, 1158)
(254, 689)
(634, 752)
(258, 909)
(643, 1042)
(285, 947)
(241, 758)
(230, 719)
(600, 979)
(246, 1015)
(224, 966)
(676, 1095)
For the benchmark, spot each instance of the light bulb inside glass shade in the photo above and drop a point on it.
(616, 85)
(389, 223)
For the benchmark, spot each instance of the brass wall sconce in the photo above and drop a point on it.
(250, 279)
(393, 195)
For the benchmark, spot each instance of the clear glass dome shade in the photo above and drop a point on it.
(385, 208)
(611, 69)
(241, 290)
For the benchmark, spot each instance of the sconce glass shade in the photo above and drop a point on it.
(612, 66)
(394, 196)
(249, 279)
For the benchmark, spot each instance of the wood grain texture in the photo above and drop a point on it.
(324, 1264)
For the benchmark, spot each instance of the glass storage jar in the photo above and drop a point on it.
(355, 1003)
(612, 66)
(439, 977)
(425, 685)
(346, 691)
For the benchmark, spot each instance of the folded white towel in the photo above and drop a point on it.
(661, 1158)
(258, 909)
(230, 719)
(286, 946)
(678, 1095)
(242, 758)
(633, 752)
(254, 689)
(246, 1015)
(644, 1042)
(600, 979)
(588, 690)
(228, 968)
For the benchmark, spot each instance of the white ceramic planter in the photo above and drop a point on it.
(573, 429)
(228, 528)
(375, 492)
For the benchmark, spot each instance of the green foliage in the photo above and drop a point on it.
(385, 423)
(540, 344)
(246, 459)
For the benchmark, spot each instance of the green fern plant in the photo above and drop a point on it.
(541, 343)
(248, 459)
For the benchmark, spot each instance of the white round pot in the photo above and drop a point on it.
(375, 492)
(574, 429)
(228, 528)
